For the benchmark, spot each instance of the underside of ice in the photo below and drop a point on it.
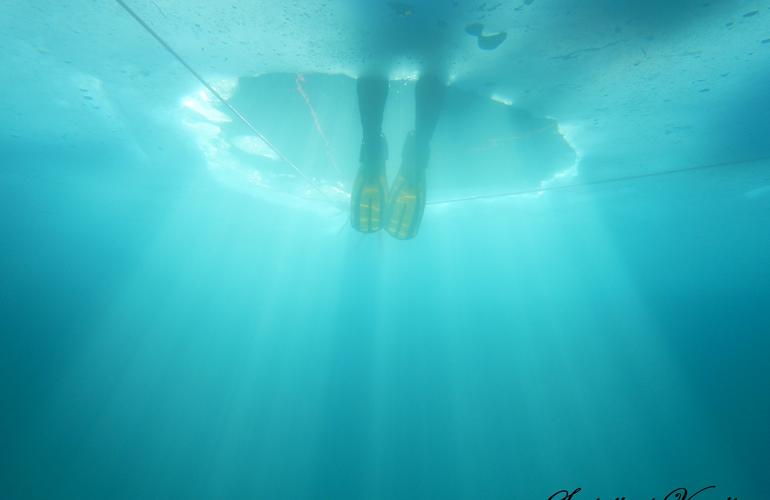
(594, 89)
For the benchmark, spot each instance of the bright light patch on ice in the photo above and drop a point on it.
(565, 176)
(502, 99)
(203, 130)
(225, 87)
(254, 146)
(560, 178)
(204, 108)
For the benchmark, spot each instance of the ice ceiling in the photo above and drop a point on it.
(627, 86)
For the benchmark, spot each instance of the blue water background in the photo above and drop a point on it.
(164, 335)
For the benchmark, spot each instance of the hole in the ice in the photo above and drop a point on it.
(482, 146)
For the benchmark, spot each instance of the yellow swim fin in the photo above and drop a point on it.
(407, 195)
(368, 200)
(369, 196)
(406, 206)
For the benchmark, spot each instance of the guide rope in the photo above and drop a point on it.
(611, 180)
(221, 99)
(317, 123)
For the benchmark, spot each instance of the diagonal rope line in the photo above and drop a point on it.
(221, 99)
(611, 180)
(317, 123)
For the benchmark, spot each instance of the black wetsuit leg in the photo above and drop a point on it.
(429, 99)
(372, 94)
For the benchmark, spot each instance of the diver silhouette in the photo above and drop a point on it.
(398, 209)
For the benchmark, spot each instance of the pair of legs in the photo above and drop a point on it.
(400, 209)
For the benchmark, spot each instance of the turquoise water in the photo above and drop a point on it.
(586, 305)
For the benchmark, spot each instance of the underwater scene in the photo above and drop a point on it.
(369, 249)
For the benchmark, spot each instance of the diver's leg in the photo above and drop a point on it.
(407, 195)
(369, 193)
(429, 99)
(372, 94)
